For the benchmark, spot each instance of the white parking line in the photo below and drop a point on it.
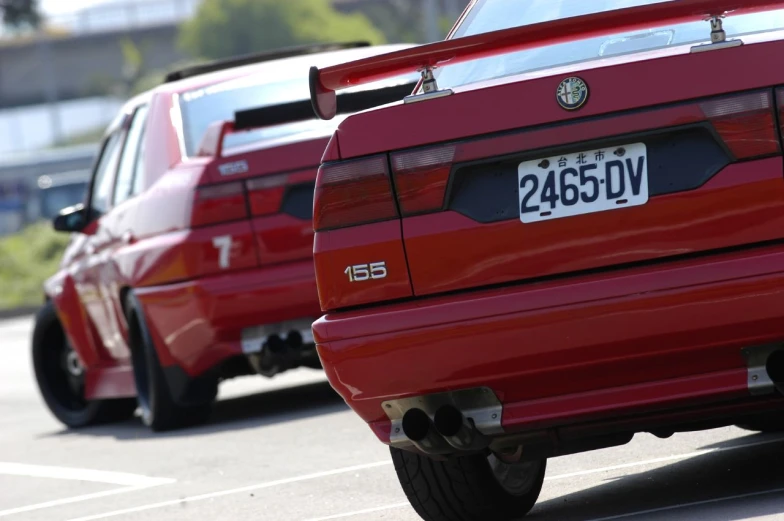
(328, 473)
(688, 505)
(129, 482)
(74, 474)
(360, 512)
(675, 457)
(69, 500)
(240, 490)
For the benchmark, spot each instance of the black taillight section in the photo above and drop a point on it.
(746, 123)
(350, 193)
(216, 204)
(266, 194)
(421, 177)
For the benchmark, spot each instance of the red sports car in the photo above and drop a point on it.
(192, 257)
(572, 232)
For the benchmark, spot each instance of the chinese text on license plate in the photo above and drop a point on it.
(586, 182)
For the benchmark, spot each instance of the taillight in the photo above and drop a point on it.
(265, 194)
(350, 193)
(421, 177)
(218, 203)
(780, 102)
(745, 123)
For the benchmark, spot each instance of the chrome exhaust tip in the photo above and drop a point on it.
(774, 366)
(418, 428)
(457, 430)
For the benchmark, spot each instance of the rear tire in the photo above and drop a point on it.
(468, 488)
(60, 378)
(768, 422)
(159, 410)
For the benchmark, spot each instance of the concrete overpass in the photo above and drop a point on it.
(89, 59)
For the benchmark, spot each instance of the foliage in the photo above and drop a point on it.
(27, 259)
(18, 13)
(224, 28)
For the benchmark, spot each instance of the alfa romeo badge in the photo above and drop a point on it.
(572, 93)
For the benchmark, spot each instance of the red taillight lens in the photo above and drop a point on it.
(421, 177)
(745, 123)
(265, 194)
(218, 203)
(350, 193)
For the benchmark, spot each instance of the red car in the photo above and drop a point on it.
(192, 258)
(572, 232)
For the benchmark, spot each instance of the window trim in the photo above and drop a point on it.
(90, 214)
(125, 129)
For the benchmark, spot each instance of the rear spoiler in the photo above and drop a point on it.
(325, 82)
(248, 59)
(295, 112)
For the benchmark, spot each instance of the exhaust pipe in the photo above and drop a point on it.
(775, 369)
(457, 430)
(419, 429)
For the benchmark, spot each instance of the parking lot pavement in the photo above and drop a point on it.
(289, 449)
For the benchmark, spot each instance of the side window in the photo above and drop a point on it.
(131, 162)
(101, 190)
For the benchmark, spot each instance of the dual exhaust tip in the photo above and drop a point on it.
(774, 366)
(449, 431)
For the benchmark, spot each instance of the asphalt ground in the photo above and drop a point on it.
(289, 449)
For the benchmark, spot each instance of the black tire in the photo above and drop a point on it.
(60, 381)
(466, 488)
(768, 422)
(159, 410)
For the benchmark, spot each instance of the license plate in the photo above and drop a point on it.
(585, 182)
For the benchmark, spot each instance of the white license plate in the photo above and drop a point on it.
(585, 182)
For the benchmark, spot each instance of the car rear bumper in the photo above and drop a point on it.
(575, 350)
(199, 323)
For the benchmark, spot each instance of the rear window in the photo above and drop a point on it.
(494, 15)
(202, 107)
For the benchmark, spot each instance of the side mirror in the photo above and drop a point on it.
(71, 219)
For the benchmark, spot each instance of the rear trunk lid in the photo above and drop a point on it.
(672, 153)
(278, 179)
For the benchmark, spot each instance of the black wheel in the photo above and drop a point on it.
(768, 422)
(60, 378)
(159, 410)
(468, 488)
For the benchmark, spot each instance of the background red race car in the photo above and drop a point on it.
(577, 236)
(191, 259)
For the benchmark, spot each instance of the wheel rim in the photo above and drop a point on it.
(517, 479)
(64, 374)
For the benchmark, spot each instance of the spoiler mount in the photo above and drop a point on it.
(425, 58)
(430, 88)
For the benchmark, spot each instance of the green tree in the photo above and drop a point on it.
(19, 13)
(224, 28)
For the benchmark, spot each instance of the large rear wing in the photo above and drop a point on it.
(248, 59)
(325, 82)
(298, 111)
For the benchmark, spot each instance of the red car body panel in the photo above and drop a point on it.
(662, 228)
(637, 318)
(488, 102)
(570, 350)
(212, 311)
(197, 298)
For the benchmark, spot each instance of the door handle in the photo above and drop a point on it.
(127, 237)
